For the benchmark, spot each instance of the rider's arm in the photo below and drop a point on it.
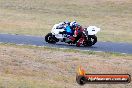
(75, 33)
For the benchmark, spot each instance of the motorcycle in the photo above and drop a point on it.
(87, 38)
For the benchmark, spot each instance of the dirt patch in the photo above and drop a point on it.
(59, 67)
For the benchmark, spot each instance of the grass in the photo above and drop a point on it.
(44, 67)
(10, 81)
(37, 17)
(105, 54)
(65, 50)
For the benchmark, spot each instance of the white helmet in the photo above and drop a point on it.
(73, 24)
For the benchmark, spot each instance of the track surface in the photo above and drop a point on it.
(39, 41)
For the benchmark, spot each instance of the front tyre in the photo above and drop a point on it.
(50, 38)
(93, 39)
(89, 43)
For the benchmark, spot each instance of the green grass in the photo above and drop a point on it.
(37, 17)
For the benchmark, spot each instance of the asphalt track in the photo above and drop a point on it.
(125, 48)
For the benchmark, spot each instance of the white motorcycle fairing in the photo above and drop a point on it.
(56, 32)
(92, 30)
(87, 37)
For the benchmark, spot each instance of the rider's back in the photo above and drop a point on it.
(69, 31)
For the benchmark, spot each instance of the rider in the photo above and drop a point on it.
(74, 30)
(78, 33)
(70, 28)
(73, 24)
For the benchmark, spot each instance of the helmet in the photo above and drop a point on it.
(73, 24)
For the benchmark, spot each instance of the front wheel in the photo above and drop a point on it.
(50, 38)
(93, 39)
(87, 43)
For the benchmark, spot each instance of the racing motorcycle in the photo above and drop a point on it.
(88, 37)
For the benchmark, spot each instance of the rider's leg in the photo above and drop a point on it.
(78, 37)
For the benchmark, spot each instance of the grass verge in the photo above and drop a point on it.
(37, 17)
(43, 67)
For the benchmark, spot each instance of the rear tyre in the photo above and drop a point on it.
(50, 38)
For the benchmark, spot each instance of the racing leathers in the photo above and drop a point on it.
(74, 34)
(77, 33)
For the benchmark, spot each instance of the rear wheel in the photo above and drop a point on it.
(50, 38)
